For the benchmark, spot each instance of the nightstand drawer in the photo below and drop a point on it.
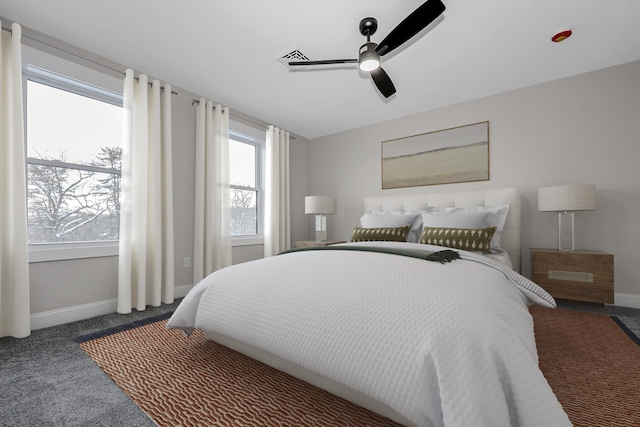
(576, 275)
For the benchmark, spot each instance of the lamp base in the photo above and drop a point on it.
(321, 228)
(573, 232)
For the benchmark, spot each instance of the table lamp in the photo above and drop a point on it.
(566, 199)
(320, 206)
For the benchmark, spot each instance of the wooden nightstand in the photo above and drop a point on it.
(575, 275)
(308, 243)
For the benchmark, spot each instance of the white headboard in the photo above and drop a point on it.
(510, 240)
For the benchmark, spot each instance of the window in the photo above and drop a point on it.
(74, 151)
(245, 164)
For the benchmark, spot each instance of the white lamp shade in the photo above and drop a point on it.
(320, 205)
(567, 198)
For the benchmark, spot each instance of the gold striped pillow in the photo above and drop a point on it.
(469, 239)
(380, 234)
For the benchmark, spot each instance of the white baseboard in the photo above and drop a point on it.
(627, 300)
(72, 314)
(61, 316)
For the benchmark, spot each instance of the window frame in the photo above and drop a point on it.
(258, 238)
(44, 252)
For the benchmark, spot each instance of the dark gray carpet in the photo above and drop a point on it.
(47, 380)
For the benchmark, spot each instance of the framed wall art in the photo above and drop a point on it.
(459, 154)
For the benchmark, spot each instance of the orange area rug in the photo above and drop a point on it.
(592, 366)
(196, 382)
(590, 363)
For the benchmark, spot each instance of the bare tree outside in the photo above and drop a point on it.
(71, 204)
(111, 157)
(244, 188)
(243, 212)
(68, 204)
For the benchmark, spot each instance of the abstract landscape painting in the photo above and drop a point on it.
(459, 154)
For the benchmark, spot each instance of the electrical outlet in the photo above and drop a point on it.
(187, 262)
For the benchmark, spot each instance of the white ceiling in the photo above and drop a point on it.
(227, 51)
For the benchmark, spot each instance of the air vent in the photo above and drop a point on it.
(296, 55)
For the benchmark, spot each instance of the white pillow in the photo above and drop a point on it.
(378, 219)
(456, 219)
(470, 217)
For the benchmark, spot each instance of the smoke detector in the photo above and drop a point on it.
(562, 35)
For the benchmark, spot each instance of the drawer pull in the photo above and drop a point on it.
(573, 276)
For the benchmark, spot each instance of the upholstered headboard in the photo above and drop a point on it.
(510, 241)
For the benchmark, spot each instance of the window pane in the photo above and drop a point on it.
(243, 212)
(68, 205)
(66, 126)
(242, 164)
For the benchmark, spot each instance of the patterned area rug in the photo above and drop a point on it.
(196, 382)
(589, 361)
(592, 364)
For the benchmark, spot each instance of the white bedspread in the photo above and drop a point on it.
(442, 344)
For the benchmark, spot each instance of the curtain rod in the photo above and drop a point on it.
(173, 92)
(197, 101)
(26, 36)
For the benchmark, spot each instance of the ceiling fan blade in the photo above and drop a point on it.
(322, 62)
(383, 82)
(411, 25)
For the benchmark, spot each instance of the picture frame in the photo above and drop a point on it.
(447, 156)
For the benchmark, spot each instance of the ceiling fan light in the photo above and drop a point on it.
(369, 60)
(369, 64)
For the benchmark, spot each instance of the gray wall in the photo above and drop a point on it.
(579, 130)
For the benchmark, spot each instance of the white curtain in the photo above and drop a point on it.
(146, 260)
(212, 231)
(277, 233)
(14, 252)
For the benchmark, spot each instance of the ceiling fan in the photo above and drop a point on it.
(370, 53)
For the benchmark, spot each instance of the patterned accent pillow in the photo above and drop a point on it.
(469, 217)
(380, 234)
(469, 239)
(377, 219)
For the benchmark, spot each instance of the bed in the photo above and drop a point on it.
(424, 343)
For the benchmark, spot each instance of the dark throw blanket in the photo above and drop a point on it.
(443, 256)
